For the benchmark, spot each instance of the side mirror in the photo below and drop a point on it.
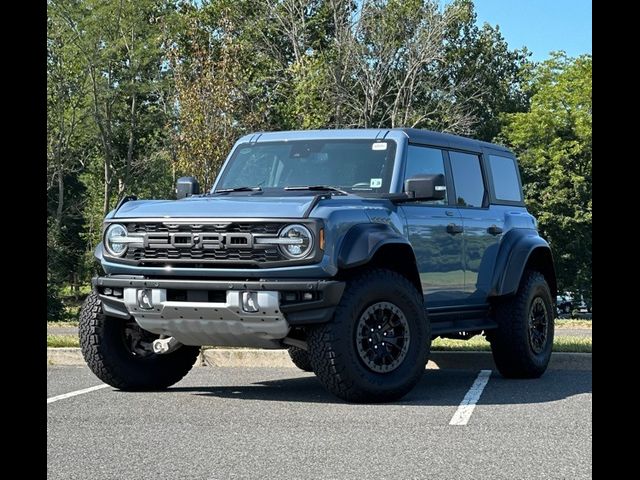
(426, 187)
(187, 186)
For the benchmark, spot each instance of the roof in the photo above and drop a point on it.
(427, 137)
(447, 140)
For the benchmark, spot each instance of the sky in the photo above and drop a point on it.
(540, 25)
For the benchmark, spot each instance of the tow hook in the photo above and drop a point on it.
(162, 346)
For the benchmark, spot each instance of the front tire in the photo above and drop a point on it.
(377, 345)
(119, 352)
(523, 341)
(300, 359)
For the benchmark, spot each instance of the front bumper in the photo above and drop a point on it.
(223, 321)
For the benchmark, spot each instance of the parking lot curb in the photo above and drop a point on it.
(250, 357)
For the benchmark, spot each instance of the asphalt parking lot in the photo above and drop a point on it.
(280, 423)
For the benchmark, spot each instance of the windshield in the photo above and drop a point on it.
(353, 165)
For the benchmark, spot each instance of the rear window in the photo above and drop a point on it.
(505, 178)
(467, 179)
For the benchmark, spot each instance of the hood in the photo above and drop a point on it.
(218, 207)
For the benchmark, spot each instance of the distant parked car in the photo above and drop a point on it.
(564, 303)
(583, 306)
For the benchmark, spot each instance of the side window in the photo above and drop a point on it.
(425, 160)
(467, 179)
(505, 178)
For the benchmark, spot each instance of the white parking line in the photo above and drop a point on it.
(468, 404)
(77, 392)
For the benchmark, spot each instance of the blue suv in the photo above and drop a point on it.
(351, 248)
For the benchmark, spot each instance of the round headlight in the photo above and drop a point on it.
(297, 241)
(111, 236)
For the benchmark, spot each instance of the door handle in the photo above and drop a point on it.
(494, 230)
(454, 229)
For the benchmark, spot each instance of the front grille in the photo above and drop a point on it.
(233, 254)
(235, 227)
(141, 254)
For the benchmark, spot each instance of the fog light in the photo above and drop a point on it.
(307, 296)
(250, 302)
(144, 299)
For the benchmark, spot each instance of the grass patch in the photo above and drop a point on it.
(572, 344)
(480, 344)
(477, 343)
(62, 341)
(572, 323)
(62, 323)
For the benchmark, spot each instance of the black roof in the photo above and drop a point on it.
(439, 139)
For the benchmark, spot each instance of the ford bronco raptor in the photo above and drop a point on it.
(351, 248)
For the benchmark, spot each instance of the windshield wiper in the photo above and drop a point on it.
(239, 189)
(327, 188)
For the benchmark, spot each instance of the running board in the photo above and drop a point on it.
(467, 325)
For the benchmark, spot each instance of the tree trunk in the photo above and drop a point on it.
(107, 185)
(60, 195)
(127, 167)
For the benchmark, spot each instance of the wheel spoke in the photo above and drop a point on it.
(393, 341)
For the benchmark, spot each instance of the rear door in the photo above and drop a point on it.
(483, 225)
(435, 232)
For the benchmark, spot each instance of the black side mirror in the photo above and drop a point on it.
(187, 186)
(426, 187)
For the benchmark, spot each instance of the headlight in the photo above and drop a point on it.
(297, 241)
(114, 233)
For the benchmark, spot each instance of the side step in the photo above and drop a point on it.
(466, 325)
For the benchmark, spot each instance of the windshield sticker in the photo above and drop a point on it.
(379, 146)
(375, 182)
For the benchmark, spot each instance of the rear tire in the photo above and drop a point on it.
(118, 351)
(300, 358)
(523, 341)
(377, 345)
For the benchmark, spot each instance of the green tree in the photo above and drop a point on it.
(118, 45)
(392, 63)
(108, 105)
(491, 78)
(68, 130)
(223, 86)
(553, 142)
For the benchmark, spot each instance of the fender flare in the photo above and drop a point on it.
(517, 247)
(362, 241)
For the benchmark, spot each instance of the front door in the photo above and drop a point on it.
(434, 229)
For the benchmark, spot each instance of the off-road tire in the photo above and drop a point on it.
(105, 351)
(300, 358)
(512, 350)
(332, 346)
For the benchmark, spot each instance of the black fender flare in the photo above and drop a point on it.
(517, 248)
(362, 241)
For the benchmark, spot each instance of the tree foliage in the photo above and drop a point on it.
(553, 142)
